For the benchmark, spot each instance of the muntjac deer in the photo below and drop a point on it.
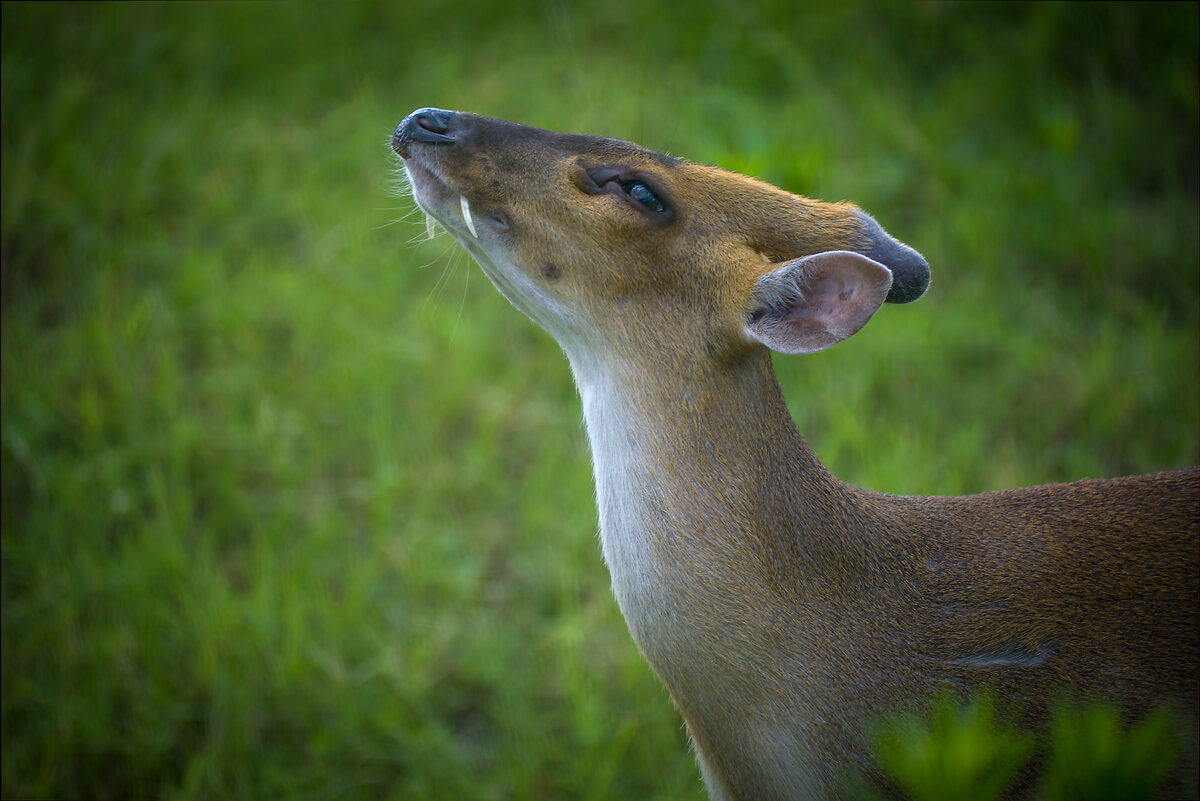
(781, 607)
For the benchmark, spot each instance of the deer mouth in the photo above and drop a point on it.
(422, 129)
(435, 196)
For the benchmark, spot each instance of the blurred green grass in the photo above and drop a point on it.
(956, 749)
(294, 505)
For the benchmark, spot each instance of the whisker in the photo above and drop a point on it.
(439, 286)
(462, 304)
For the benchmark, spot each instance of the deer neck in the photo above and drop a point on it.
(704, 484)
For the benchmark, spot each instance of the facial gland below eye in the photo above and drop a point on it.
(644, 195)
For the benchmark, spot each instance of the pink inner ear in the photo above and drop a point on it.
(822, 299)
(829, 301)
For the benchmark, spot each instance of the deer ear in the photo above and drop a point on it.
(815, 302)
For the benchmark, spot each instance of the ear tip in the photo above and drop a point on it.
(907, 287)
(910, 271)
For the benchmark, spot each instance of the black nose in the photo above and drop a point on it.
(429, 125)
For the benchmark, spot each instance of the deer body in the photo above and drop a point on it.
(781, 607)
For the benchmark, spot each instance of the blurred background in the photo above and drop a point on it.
(295, 505)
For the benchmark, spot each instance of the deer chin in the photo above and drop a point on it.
(433, 195)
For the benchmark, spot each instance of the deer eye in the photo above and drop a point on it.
(644, 195)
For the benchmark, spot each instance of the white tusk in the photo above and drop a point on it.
(466, 210)
(430, 226)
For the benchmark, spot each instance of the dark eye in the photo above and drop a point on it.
(644, 195)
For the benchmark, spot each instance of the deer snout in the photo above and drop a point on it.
(432, 126)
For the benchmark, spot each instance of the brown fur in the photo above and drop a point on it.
(781, 607)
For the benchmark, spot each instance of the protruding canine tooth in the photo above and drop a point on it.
(466, 211)
(430, 228)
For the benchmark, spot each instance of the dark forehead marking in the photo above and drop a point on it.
(666, 161)
(492, 133)
(619, 148)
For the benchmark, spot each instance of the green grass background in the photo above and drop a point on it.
(295, 505)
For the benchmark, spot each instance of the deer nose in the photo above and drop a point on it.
(429, 125)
